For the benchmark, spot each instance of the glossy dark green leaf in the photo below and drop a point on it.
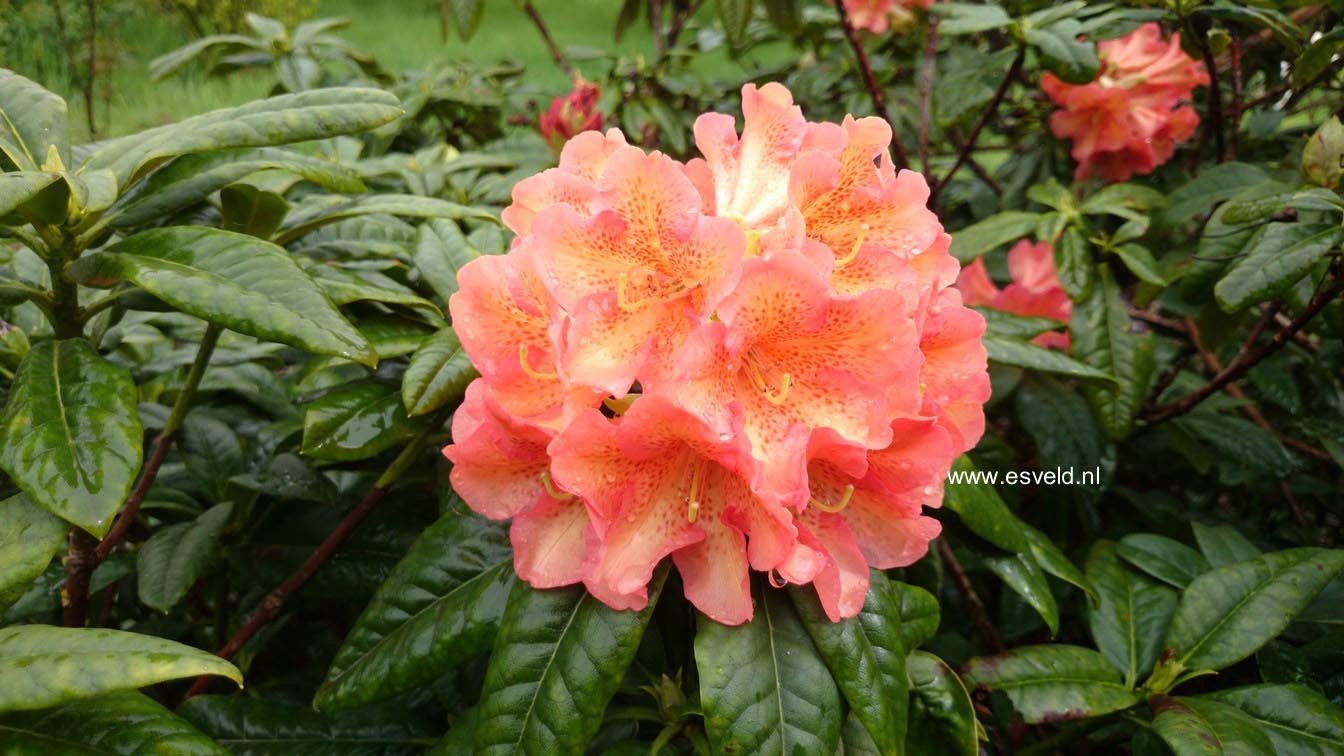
(114, 724)
(1222, 544)
(1132, 615)
(1213, 185)
(866, 656)
(1032, 357)
(176, 555)
(1164, 558)
(309, 216)
(1129, 201)
(1015, 327)
(1238, 442)
(1141, 263)
(344, 286)
(1024, 576)
(29, 537)
(1073, 259)
(1196, 726)
(1285, 32)
(240, 282)
(1227, 614)
(355, 422)
(1298, 720)
(248, 726)
(285, 119)
(440, 606)
(996, 230)
(1066, 55)
(440, 252)
(558, 660)
(245, 209)
(43, 666)
(981, 510)
(32, 120)
(942, 719)
(393, 336)
(70, 435)
(1053, 683)
(734, 15)
(967, 18)
(1063, 429)
(438, 374)
(919, 613)
(1055, 562)
(1278, 256)
(764, 688)
(191, 179)
(1102, 337)
(1317, 57)
(24, 187)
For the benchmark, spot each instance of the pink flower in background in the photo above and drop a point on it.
(1034, 291)
(569, 115)
(1131, 118)
(753, 361)
(879, 15)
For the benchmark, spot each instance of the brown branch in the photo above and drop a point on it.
(979, 126)
(79, 564)
(1152, 318)
(899, 155)
(1249, 358)
(926, 75)
(1169, 377)
(556, 54)
(974, 605)
(974, 165)
(1213, 118)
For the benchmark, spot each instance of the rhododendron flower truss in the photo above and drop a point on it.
(1130, 119)
(1034, 292)
(751, 361)
(877, 16)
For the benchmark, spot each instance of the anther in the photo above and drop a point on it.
(692, 510)
(527, 367)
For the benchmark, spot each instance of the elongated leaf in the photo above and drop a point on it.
(355, 422)
(942, 719)
(1141, 263)
(466, 15)
(1222, 544)
(1197, 726)
(919, 613)
(249, 726)
(1166, 559)
(1053, 683)
(1015, 327)
(440, 606)
(29, 538)
(967, 18)
(1066, 55)
(1280, 254)
(440, 252)
(1229, 613)
(764, 689)
(32, 120)
(307, 218)
(558, 660)
(172, 559)
(345, 286)
(243, 283)
(317, 114)
(22, 187)
(70, 435)
(1132, 615)
(1073, 259)
(1129, 201)
(1217, 183)
(735, 15)
(980, 508)
(1023, 574)
(996, 230)
(866, 657)
(192, 178)
(1298, 720)
(1024, 355)
(438, 374)
(115, 724)
(1103, 339)
(44, 666)
(1054, 561)
(1317, 57)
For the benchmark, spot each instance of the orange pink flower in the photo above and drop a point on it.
(569, 115)
(1130, 119)
(753, 361)
(1034, 291)
(877, 16)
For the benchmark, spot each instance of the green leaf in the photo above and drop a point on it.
(191, 179)
(165, 64)
(22, 188)
(327, 209)
(1066, 436)
(248, 726)
(1298, 720)
(966, 18)
(558, 660)
(1053, 561)
(1024, 355)
(1073, 259)
(1010, 327)
(1053, 683)
(355, 422)
(919, 613)
(1280, 254)
(981, 510)
(114, 724)
(438, 374)
(248, 210)
(1284, 30)
(764, 689)
(318, 114)
(171, 560)
(1141, 263)
(344, 286)
(1214, 184)
(1132, 615)
(1101, 337)
(996, 230)
(1229, 613)
(440, 606)
(735, 15)
(29, 538)
(1194, 726)
(69, 435)
(942, 719)
(440, 252)
(32, 120)
(1164, 558)
(466, 15)
(1063, 53)
(1129, 201)
(1023, 574)
(1317, 57)
(1223, 545)
(43, 666)
(866, 656)
(242, 283)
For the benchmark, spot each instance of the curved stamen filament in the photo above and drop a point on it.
(667, 292)
(693, 497)
(844, 501)
(527, 367)
(772, 395)
(841, 262)
(551, 490)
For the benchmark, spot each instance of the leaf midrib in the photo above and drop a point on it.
(541, 679)
(1227, 616)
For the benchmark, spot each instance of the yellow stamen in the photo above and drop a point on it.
(841, 262)
(759, 381)
(844, 501)
(693, 497)
(692, 511)
(668, 293)
(527, 368)
(551, 490)
(753, 243)
(620, 406)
